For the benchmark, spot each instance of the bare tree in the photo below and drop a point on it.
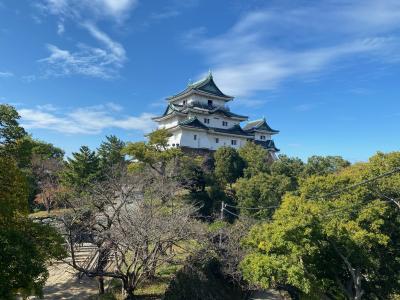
(230, 251)
(47, 172)
(133, 225)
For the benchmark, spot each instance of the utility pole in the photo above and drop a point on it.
(222, 219)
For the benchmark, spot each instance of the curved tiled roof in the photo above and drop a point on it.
(171, 108)
(269, 144)
(259, 125)
(193, 122)
(206, 85)
(236, 129)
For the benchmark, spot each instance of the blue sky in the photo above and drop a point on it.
(324, 73)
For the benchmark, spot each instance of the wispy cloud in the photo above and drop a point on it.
(86, 60)
(103, 60)
(60, 28)
(83, 120)
(6, 74)
(278, 43)
(305, 107)
(118, 10)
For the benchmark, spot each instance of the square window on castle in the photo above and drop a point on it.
(224, 123)
(206, 121)
(262, 137)
(184, 102)
(195, 137)
(210, 102)
(216, 140)
(233, 142)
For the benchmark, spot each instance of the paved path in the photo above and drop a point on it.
(267, 295)
(63, 284)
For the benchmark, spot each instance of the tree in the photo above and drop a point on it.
(329, 243)
(25, 247)
(110, 153)
(256, 159)
(47, 172)
(228, 165)
(320, 165)
(291, 167)
(155, 159)
(81, 170)
(10, 131)
(154, 154)
(134, 230)
(261, 190)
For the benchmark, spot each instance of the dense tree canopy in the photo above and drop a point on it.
(256, 159)
(228, 165)
(338, 245)
(261, 190)
(25, 247)
(323, 165)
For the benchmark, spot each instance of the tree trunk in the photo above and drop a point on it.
(129, 291)
(100, 280)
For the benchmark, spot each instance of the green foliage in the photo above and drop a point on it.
(323, 165)
(46, 150)
(228, 165)
(10, 131)
(81, 170)
(202, 279)
(110, 153)
(261, 190)
(256, 159)
(13, 191)
(291, 167)
(26, 148)
(190, 174)
(25, 247)
(154, 153)
(337, 245)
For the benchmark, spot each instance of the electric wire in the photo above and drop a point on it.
(338, 192)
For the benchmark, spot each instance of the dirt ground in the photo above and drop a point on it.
(63, 284)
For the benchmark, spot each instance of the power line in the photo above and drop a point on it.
(394, 171)
(251, 208)
(229, 212)
(369, 180)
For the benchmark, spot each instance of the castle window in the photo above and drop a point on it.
(210, 102)
(206, 121)
(177, 145)
(195, 137)
(173, 145)
(262, 137)
(184, 102)
(216, 140)
(224, 123)
(233, 142)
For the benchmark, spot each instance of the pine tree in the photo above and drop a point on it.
(110, 154)
(82, 169)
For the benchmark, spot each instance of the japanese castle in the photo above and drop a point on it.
(199, 118)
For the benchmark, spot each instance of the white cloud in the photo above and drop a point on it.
(6, 74)
(95, 9)
(85, 60)
(60, 28)
(104, 61)
(116, 48)
(278, 43)
(84, 120)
